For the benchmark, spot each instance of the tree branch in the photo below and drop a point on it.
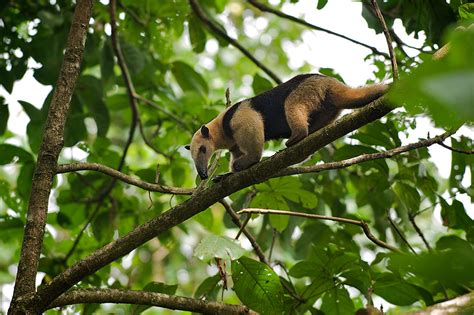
(217, 30)
(51, 146)
(127, 80)
(393, 59)
(363, 157)
(175, 118)
(264, 8)
(201, 201)
(361, 223)
(235, 218)
(74, 167)
(453, 149)
(173, 302)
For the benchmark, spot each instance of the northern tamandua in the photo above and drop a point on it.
(291, 110)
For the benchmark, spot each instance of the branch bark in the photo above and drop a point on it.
(202, 200)
(362, 224)
(173, 302)
(363, 157)
(48, 154)
(74, 167)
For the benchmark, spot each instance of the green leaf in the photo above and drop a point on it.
(257, 286)
(25, 179)
(188, 79)
(197, 36)
(208, 289)
(395, 290)
(260, 84)
(103, 228)
(409, 196)
(4, 114)
(14, 154)
(306, 269)
(466, 11)
(213, 246)
(454, 215)
(134, 57)
(106, 62)
(157, 287)
(322, 4)
(442, 88)
(89, 90)
(337, 302)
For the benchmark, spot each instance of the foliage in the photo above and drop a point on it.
(184, 69)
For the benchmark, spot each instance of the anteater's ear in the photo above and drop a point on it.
(187, 147)
(205, 131)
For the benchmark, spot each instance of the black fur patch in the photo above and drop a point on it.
(227, 118)
(271, 105)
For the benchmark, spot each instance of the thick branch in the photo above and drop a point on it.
(74, 167)
(217, 30)
(173, 302)
(362, 224)
(264, 8)
(363, 157)
(202, 200)
(463, 304)
(49, 151)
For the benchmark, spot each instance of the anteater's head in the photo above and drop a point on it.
(202, 146)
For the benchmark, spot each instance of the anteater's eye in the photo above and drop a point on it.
(202, 149)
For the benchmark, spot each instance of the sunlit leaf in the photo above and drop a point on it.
(257, 286)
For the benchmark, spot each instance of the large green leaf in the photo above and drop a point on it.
(90, 93)
(442, 88)
(213, 246)
(12, 153)
(260, 84)
(197, 36)
(209, 288)
(257, 286)
(395, 290)
(337, 302)
(188, 79)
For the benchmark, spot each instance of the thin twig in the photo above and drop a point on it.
(453, 149)
(81, 232)
(265, 8)
(132, 14)
(175, 118)
(235, 218)
(400, 234)
(411, 216)
(127, 80)
(258, 250)
(74, 167)
(363, 157)
(393, 59)
(217, 30)
(362, 224)
(274, 234)
(149, 143)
